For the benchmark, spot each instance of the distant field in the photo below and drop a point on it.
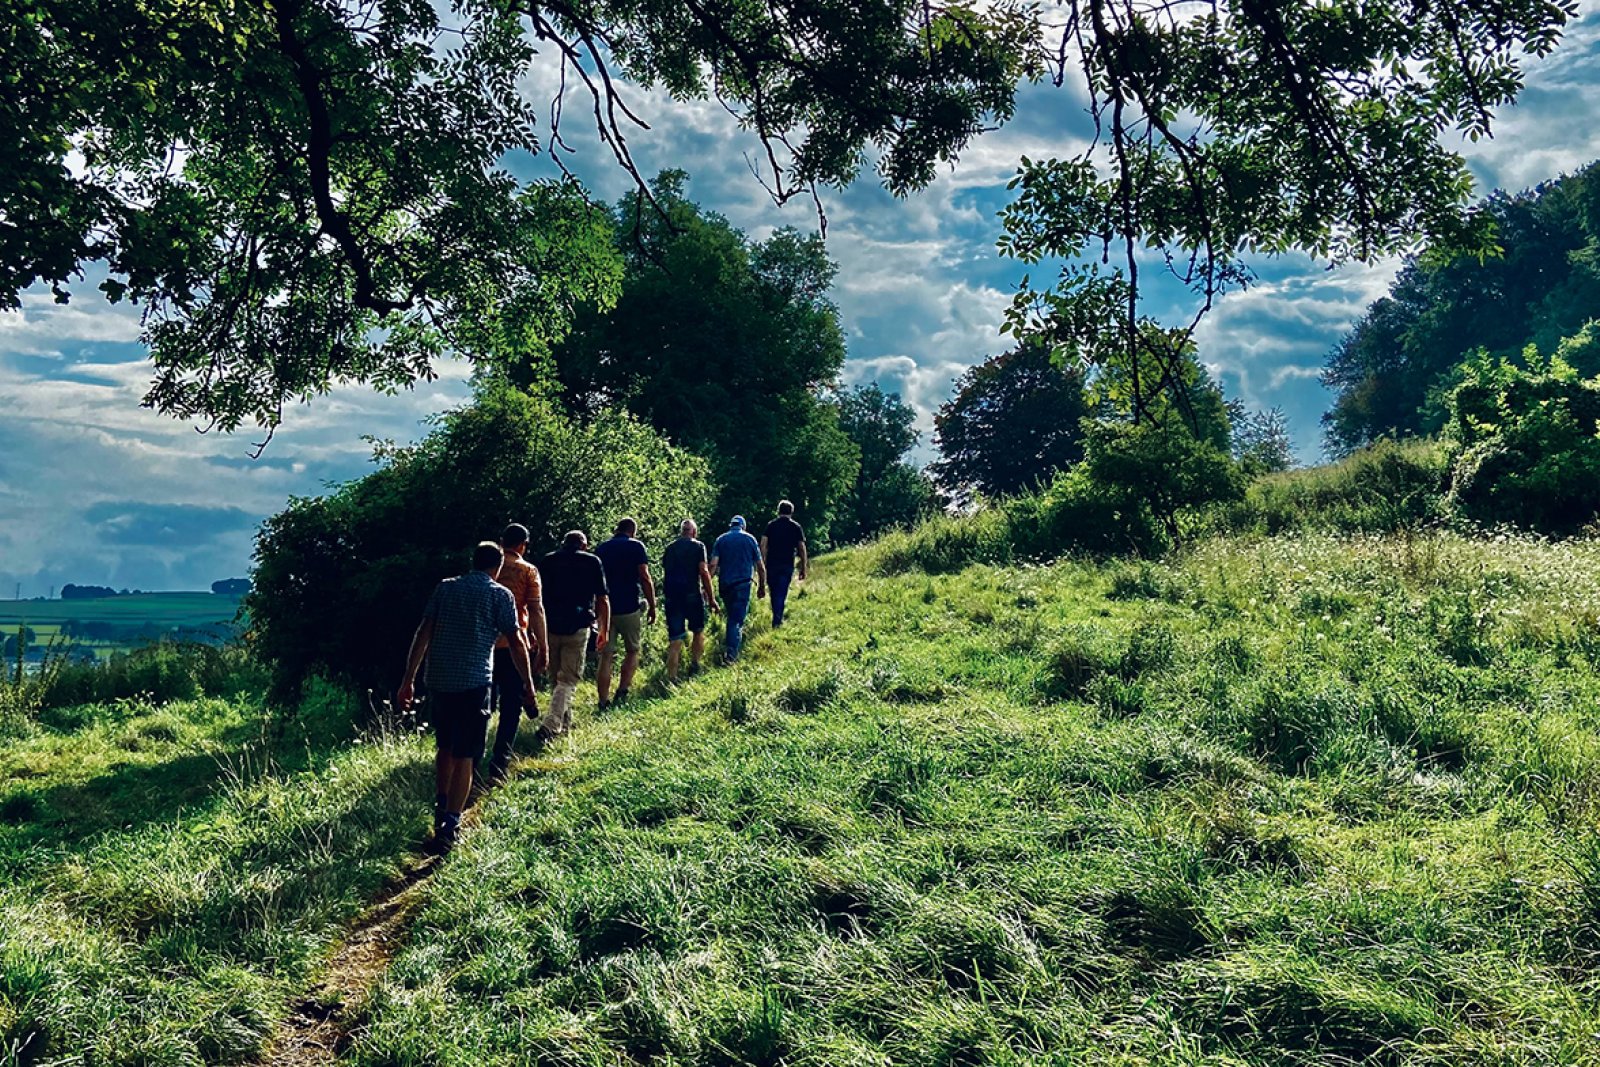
(123, 621)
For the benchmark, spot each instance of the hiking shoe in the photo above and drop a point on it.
(443, 839)
(620, 698)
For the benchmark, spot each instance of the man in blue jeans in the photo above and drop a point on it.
(736, 562)
(781, 543)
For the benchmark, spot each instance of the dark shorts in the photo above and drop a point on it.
(461, 722)
(685, 615)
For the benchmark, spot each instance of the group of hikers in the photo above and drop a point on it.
(486, 635)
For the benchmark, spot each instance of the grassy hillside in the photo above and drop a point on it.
(171, 877)
(1301, 800)
(1304, 800)
(126, 620)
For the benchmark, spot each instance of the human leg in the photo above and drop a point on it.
(628, 631)
(508, 698)
(735, 606)
(567, 653)
(778, 579)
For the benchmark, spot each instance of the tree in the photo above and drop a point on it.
(889, 491)
(340, 580)
(1163, 469)
(231, 587)
(1012, 424)
(724, 345)
(1255, 127)
(87, 592)
(1261, 442)
(303, 192)
(1393, 372)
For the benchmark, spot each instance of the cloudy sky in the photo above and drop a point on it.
(95, 489)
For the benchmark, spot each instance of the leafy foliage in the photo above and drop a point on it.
(1261, 443)
(1255, 127)
(1012, 424)
(1385, 487)
(1396, 367)
(1162, 469)
(1530, 440)
(307, 192)
(724, 345)
(340, 580)
(889, 491)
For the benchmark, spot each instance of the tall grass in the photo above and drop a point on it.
(1310, 800)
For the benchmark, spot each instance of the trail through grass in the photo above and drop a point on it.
(1310, 800)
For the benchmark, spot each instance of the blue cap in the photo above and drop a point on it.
(738, 520)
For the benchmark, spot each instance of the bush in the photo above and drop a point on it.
(341, 580)
(1530, 440)
(159, 673)
(1385, 487)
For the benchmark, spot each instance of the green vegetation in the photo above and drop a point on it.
(1304, 800)
(121, 622)
(341, 580)
(170, 876)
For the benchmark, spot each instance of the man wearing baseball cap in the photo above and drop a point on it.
(736, 562)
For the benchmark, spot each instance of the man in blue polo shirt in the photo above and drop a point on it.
(457, 637)
(736, 562)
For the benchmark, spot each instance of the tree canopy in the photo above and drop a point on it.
(1393, 371)
(889, 491)
(725, 345)
(1013, 422)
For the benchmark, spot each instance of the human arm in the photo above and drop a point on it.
(706, 590)
(524, 664)
(805, 560)
(538, 635)
(761, 578)
(763, 548)
(419, 651)
(602, 617)
(648, 584)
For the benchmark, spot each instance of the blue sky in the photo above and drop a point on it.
(95, 489)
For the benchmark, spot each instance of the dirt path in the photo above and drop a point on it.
(317, 1029)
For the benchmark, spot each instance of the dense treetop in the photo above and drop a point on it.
(302, 192)
(1392, 373)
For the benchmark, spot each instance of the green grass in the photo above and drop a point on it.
(1307, 800)
(172, 877)
(162, 611)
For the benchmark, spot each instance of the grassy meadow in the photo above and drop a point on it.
(1307, 800)
(1301, 800)
(127, 621)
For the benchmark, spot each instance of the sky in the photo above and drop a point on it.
(96, 489)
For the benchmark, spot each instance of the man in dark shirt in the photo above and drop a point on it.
(574, 592)
(627, 568)
(686, 581)
(779, 545)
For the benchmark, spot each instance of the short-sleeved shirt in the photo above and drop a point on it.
(680, 568)
(571, 580)
(737, 554)
(784, 538)
(522, 578)
(621, 557)
(467, 613)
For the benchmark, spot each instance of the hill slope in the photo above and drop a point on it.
(1303, 800)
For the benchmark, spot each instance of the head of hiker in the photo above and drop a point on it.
(514, 538)
(688, 528)
(487, 557)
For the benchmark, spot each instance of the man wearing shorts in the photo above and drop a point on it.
(627, 568)
(574, 587)
(736, 561)
(686, 581)
(456, 636)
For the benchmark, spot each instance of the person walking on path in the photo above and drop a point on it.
(522, 578)
(457, 636)
(686, 583)
(736, 561)
(575, 599)
(627, 568)
(783, 539)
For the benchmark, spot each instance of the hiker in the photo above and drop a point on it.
(736, 561)
(575, 599)
(522, 578)
(457, 636)
(627, 568)
(783, 539)
(686, 583)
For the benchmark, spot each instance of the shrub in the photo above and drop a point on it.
(1387, 486)
(159, 673)
(1530, 440)
(340, 580)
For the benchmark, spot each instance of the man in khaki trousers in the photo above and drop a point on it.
(573, 589)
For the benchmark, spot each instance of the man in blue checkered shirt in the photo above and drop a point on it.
(457, 636)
